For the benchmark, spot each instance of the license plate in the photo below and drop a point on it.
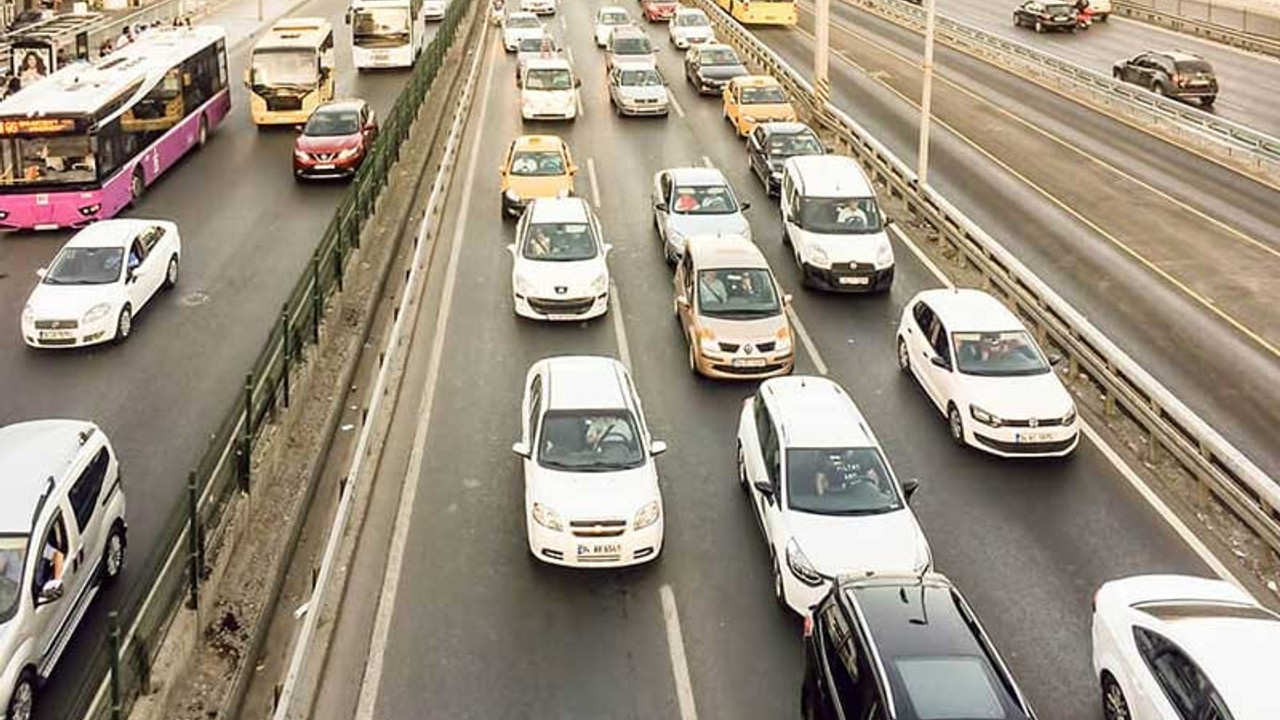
(605, 549)
(1031, 437)
(324, 167)
(748, 362)
(55, 335)
(854, 280)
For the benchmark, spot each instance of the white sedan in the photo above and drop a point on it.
(1171, 647)
(559, 271)
(99, 281)
(984, 372)
(608, 18)
(690, 26)
(590, 480)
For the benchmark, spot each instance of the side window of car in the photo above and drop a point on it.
(938, 339)
(84, 493)
(137, 253)
(842, 675)
(924, 317)
(151, 237)
(665, 185)
(1175, 673)
(53, 554)
(769, 445)
(535, 406)
(686, 265)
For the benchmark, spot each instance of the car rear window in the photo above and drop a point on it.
(1191, 67)
(954, 687)
(1057, 9)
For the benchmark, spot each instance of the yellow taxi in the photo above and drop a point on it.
(535, 166)
(753, 99)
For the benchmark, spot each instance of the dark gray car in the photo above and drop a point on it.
(1173, 74)
(709, 67)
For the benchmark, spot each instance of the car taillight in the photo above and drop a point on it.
(808, 625)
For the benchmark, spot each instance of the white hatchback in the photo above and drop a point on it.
(560, 271)
(608, 18)
(590, 481)
(980, 366)
(518, 26)
(99, 281)
(822, 490)
(690, 26)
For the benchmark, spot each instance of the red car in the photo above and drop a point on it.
(655, 10)
(335, 140)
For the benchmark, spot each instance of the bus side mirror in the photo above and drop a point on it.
(246, 77)
(346, 17)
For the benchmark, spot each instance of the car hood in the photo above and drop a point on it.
(755, 330)
(594, 496)
(531, 187)
(327, 143)
(1019, 397)
(845, 248)
(547, 98)
(838, 544)
(643, 92)
(732, 224)
(576, 277)
(517, 34)
(721, 72)
(691, 31)
(67, 302)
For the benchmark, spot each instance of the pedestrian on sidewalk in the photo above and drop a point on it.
(126, 37)
(105, 48)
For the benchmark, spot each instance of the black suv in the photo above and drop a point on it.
(904, 647)
(1042, 16)
(1172, 73)
(771, 143)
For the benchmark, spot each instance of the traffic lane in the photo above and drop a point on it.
(1248, 82)
(1222, 375)
(482, 629)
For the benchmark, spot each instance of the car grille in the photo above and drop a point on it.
(764, 347)
(277, 103)
(746, 371)
(598, 528)
(852, 268)
(323, 157)
(58, 341)
(1025, 448)
(1033, 423)
(561, 307)
(729, 347)
(57, 324)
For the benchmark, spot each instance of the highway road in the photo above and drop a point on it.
(248, 230)
(480, 630)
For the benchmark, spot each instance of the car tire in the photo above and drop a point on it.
(1116, 75)
(22, 703)
(202, 138)
(955, 424)
(742, 469)
(779, 590)
(693, 358)
(1039, 26)
(171, 273)
(904, 357)
(1017, 20)
(113, 555)
(137, 186)
(1207, 102)
(124, 324)
(1158, 88)
(1114, 705)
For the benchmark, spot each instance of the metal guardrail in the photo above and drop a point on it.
(1170, 426)
(1243, 147)
(1241, 27)
(191, 539)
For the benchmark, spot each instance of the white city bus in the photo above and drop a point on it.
(386, 33)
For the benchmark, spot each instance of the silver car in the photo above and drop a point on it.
(695, 201)
(638, 90)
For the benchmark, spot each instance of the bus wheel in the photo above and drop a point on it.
(203, 137)
(137, 187)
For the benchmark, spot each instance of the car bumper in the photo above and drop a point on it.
(562, 310)
(735, 367)
(82, 336)
(798, 596)
(635, 110)
(659, 14)
(1013, 442)
(711, 87)
(317, 171)
(632, 547)
(855, 281)
(569, 113)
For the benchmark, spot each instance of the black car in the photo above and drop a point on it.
(1042, 16)
(1173, 73)
(771, 143)
(710, 66)
(904, 647)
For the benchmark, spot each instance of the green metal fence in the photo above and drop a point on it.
(192, 535)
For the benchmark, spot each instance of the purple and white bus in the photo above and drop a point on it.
(85, 142)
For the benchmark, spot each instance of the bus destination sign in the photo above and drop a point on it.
(36, 126)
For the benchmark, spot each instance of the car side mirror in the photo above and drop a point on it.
(502, 169)
(608, 248)
(909, 487)
(745, 206)
(511, 248)
(829, 148)
(764, 486)
(577, 81)
(660, 206)
(890, 222)
(657, 447)
(1055, 359)
(40, 273)
(521, 449)
(941, 362)
(50, 591)
(683, 302)
(573, 169)
(787, 298)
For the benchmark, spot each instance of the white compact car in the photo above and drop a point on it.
(434, 9)
(695, 201)
(548, 90)
(62, 537)
(690, 26)
(590, 482)
(822, 490)
(1172, 647)
(100, 281)
(980, 366)
(560, 272)
(608, 18)
(538, 7)
(518, 26)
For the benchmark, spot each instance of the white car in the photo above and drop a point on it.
(545, 47)
(690, 26)
(695, 201)
(822, 490)
(62, 538)
(548, 90)
(608, 18)
(1172, 647)
(434, 9)
(99, 282)
(520, 25)
(560, 272)
(539, 7)
(590, 481)
(983, 370)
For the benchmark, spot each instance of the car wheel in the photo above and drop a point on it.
(1039, 26)
(779, 590)
(693, 357)
(904, 356)
(956, 424)
(742, 470)
(124, 324)
(113, 555)
(203, 137)
(23, 701)
(1017, 21)
(786, 240)
(171, 273)
(1207, 102)
(807, 711)
(1117, 75)
(1114, 706)
(137, 186)
(1159, 89)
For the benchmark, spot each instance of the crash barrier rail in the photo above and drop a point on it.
(1230, 24)
(1171, 428)
(194, 533)
(1245, 148)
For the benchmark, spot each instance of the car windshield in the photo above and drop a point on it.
(559, 242)
(770, 95)
(647, 77)
(1057, 9)
(998, 354)
(840, 216)
(537, 162)
(691, 20)
(719, 56)
(523, 21)
(1192, 67)
(742, 294)
(794, 144)
(840, 481)
(948, 687)
(328, 123)
(533, 45)
(13, 548)
(548, 79)
(631, 46)
(285, 68)
(590, 441)
(615, 18)
(703, 200)
(85, 266)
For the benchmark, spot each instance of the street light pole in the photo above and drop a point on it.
(926, 100)
(822, 32)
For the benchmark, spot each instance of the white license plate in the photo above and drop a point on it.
(854, 280)
(324, 167)
(748, 362)
(1032, 437)
(604, 549)
(55, 335)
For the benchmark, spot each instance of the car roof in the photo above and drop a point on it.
(1180, 55)
(32, 453)
(539, 142)
(703, 47)
(612, 8)
(756, 81)
(110, 233)
(697, 176)
(785, 128)
(625, 30)
(689, 11)
(969, 310)
(338, 105)
(830, 176)
(522, 14)
(816, 412)
(558, 210)
(724, 251)
(583, 382)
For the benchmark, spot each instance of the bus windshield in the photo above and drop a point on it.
(380, 27)
(49, 160)
(285, 68)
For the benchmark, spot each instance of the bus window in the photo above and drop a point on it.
(51, 160)
(160, 109)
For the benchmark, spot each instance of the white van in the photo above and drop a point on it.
(548, 90)
(62, 537)
(832, 222)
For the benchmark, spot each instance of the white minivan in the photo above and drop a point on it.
(62, 537)
(832, 222)
(548, 90)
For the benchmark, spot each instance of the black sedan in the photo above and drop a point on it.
(771, 143)
(1042, 16)
(710, 66)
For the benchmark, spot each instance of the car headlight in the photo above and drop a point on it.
(784, 340)
(800, 565)
(96, 313)
(28, 314)
(300, 154)
(648, 515)
(708, 342)
(984, 417)
(750, 118)
(818, 257)
(884, 256)
(348, 153)
(676, 238)
(546, 517)
(924, 558)
(1070, 417)
(513, 196)
(600, 284)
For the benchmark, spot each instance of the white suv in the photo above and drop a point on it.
(822, 490)
(590, 482)
(62, 536)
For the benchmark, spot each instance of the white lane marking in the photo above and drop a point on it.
(679, 663)
(619, 327)
(707, 162)
(806, 340)
(564, 25)
(595, 186)
(568, 51)
(675, 104)
(1196, 544)
(369, 685)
